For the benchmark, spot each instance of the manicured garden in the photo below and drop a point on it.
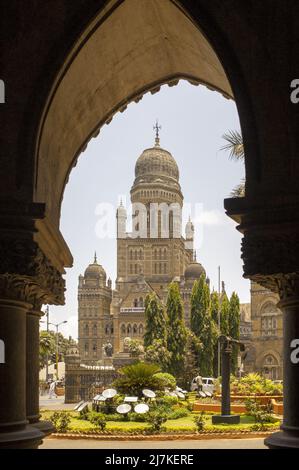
(185, 424)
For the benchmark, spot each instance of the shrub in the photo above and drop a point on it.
(166, 380)
(255, 384)
(167, 401)
(179, 413)
(200, 422)
(138, 417)
(60, 420)
(98, 420)
(262, 414)
(156, 418)
(136, 377)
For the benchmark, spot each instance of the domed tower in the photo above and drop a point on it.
(155, 249)
(156, 194)
(94, 300)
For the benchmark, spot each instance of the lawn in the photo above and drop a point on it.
(173, 425)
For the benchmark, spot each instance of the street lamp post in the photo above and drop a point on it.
(57, 325)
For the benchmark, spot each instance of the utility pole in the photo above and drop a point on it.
(57, 345)
(219, 323)
(47, 356)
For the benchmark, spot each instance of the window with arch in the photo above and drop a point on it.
(123, 329)
(269, 314)
(86, 348)
(135, 303)
(135, 329)
(129, 329)
(86, 329)
(270, 367)
(107, 329)
(94, 330)
(140, 330)
(141, 302)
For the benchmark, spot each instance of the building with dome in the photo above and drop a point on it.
(154, 254)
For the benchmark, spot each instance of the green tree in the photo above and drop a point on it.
(177, 334)
(215, 307)
(136, 348)
(155, 337)
(46, 347)
(190, 368)
(155, 321)
(224, 314)
(202, 325)
(234, 328)
(157, 353)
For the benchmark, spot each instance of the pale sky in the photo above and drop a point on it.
(193, 120)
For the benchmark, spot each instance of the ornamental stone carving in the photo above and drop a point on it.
(26, 274)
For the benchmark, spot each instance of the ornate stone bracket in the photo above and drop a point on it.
(26, 274)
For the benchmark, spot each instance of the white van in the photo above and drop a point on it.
(208, 385)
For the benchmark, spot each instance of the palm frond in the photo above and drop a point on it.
(239, 190)
(234, 145)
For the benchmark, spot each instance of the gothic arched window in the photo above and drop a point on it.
(129, 329)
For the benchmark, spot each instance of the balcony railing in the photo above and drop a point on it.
(132, 310)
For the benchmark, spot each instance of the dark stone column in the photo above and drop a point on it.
(14, 429)
(288, 437)
(270, 255)
(32, 373)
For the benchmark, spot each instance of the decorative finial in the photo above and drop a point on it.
(157, 128)
(194, 255)
(95, 257)
(121, 202)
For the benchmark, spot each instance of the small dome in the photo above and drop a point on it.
(194, 271)
(95, 271)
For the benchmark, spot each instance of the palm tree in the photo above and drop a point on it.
(235, 148)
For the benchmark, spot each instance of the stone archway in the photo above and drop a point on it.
(61, 103)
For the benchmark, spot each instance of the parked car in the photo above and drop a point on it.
(208, 384)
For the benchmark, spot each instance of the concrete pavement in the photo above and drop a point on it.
(51, 443)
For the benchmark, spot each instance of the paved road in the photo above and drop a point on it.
(51, 443)
(47, 403)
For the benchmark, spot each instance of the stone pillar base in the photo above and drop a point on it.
(283, 440)
(227, 419)
(46, 427)
(27, 438)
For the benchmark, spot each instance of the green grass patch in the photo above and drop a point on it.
(185, 424)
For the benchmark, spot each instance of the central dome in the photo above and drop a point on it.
(156, 161)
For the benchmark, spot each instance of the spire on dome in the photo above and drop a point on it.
(157, 128)
(95, 258)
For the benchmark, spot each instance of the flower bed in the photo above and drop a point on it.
(262, 399)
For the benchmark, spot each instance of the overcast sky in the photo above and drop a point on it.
(193, 120)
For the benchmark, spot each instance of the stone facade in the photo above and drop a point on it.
(265, 352)
(150, 257)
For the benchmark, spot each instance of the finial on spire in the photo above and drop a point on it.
(157, 128)
(95, 257)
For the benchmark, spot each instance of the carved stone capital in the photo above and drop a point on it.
(270, 254)
(26, 274)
